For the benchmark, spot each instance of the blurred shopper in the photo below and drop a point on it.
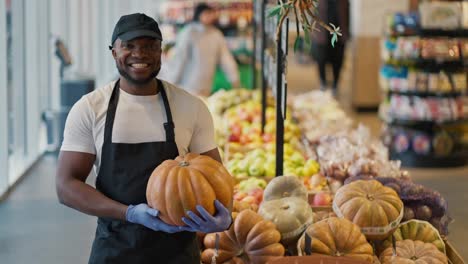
(336, 12)
(125, 130)
(200, 47)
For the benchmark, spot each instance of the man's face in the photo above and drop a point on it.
(138, 60)
(208, 17)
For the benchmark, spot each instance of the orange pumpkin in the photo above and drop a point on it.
(249, 240)
(177, 186)
(376, 209)
(412, 252)
(337, 237)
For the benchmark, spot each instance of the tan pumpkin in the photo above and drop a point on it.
(177, 186)
(251, 239)
(285, 186)
(337, 237)
(417, 230)
(291, 216)
(376, 209)
(413, 252)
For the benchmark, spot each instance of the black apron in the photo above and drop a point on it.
(123, 176)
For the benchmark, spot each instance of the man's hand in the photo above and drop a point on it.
(144, 215)
(208, 223)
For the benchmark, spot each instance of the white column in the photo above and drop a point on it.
(3, 103)
(31, 77)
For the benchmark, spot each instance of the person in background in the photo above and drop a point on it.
(200, 47)
(336, 12)
(125, 130)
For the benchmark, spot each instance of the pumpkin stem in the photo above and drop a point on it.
(285, 207)
(414, 258)
(370, 197)
(338, 254)
(184, 164)
(286, 194)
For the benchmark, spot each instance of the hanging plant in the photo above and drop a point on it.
(306, 15)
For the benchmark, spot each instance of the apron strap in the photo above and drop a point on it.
(169, 126)
(110, 116)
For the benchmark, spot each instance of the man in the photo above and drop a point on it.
(126, 129)
(336, 12)
(200, 47)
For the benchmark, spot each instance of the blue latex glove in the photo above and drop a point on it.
(144, 215)
(208, 223)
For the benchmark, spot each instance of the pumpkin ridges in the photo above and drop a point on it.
(267, 237)
(338, 236)
(389, 210)
(199, 182)
(425, 252)
(270, 250)
(349, 209)
(186, 193)
(360, 218)
(222, 191)
(158, 202)
(355, 235)
(245, 221)
(259, 228)
(173, 207)
(379, 215)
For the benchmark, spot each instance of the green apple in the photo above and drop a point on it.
(297, 159)
(256, 169)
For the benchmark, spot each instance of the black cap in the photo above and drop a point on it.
(134, 26)
(199, 9)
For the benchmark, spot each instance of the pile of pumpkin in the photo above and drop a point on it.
(284, 224)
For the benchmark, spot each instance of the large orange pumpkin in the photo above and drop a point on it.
(376, 209)
(177, 186)
(337, 237)
(250, 240)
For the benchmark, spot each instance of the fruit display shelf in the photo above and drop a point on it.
(413, 92)
(412, 159)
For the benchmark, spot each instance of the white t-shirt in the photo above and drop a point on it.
(138, 119)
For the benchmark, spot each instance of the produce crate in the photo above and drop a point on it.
(452, 254)
(316, 259)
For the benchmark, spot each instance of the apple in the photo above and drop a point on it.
(270, 168)
(267, 137)
(322, 199)
(239, 196)
(249, 199)
(234, 138)
(257, 193)
(256, 169)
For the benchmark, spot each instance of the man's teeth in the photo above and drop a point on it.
(139, 65)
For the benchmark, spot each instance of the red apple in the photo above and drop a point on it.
(257, 193)
(234, 138)
(322, 199)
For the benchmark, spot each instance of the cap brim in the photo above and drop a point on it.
(140, 33)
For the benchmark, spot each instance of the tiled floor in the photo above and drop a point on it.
(35, 228)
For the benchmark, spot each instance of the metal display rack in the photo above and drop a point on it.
(270, 57)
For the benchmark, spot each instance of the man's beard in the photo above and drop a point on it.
(130, 79)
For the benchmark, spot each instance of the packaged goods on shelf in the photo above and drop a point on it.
(441, 15)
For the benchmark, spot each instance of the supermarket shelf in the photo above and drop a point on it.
(421, 123)
(453, 33)
(436, 64)
(425, 94)
(411, 159)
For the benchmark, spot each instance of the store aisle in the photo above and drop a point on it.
(35, 228)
